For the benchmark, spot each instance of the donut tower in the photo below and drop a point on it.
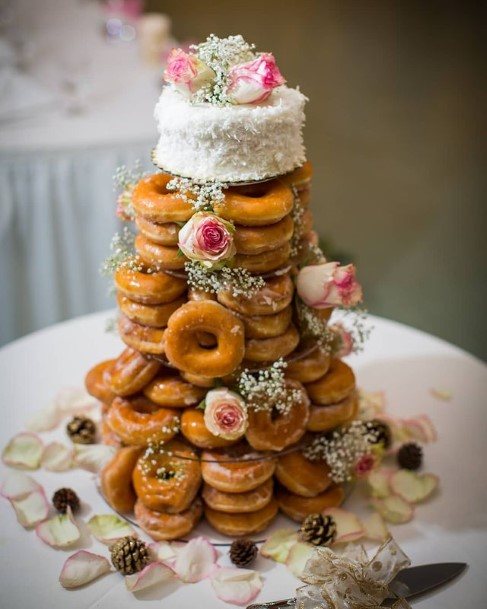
(230, 371)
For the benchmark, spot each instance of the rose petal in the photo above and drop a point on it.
(23, 451)
(348, 526)
(196, 560)
(298, 557)
(18, 485)
(278, 544)
(44, 420)
(107, 528)
(378, 483)
(371, 403)
(93, 457)
(57, 457)
(237, 586)
(152, 574)
(394, 509)
(162, 551)
(420, 428)
(74, 400)
(442, 394)
(81, 568)
(60, 531)
(31, 509)
(375, 528)
(413, 487)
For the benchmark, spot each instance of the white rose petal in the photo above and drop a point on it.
(82, 568)
(236, 586)
(60, 531)
(57, 457)
(23, 451)
(107, 528)
(196, 560)
(31, 509)
(152, 574)
(18, 485)
(348, 527)
(93, 457)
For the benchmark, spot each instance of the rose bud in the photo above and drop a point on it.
(187, 72)
(342, 341)
(225, 414)
(207, 238)
(253, 82)
(329, 285)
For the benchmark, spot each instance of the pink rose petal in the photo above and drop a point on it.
(298, 557)
(348, 526)
(18, 485)
(60, 531)
(81, 568)
(278, 544)
(93, 457)
(236, 586)
(23, 451)
(57, 457)
(196, 560)
(162, 551)
(31, 509)
(152, 574)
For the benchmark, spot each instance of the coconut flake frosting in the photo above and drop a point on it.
(231, 143)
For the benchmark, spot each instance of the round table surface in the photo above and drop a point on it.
(403, 362)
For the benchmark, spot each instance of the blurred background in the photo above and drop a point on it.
(394, 126)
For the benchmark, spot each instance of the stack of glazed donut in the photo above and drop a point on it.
(169, 468)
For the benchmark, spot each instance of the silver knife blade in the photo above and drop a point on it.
(407, 583)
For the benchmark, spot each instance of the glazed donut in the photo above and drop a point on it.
(164, 234)
(167, 479)
(324, 418)
(160, 257)
(130, 372)
(257, 204)
(153, 201)
(116, 479)
(155, 316)
(108, 436)
(238, 503)
(173, 392)
(96, 384)
(335, 386)
(138, 421)
(195, 431)
(300, 178)
(258, 239)
(302, 476)
(270, 429)
(181, 339)
(267, 326)
(309, 368)
(271, 299)
(195, 294)
(235, 476)
(297, 507)
(162, 526)
(198, 380)
(141, 338)
(271, 349)
(265, 262)
(149, 288)
(238, 525)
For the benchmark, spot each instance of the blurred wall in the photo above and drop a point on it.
(393, 130)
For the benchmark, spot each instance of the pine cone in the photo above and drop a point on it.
(129, 555)
(243, 552)
(381, 432)
(318, 530)
(81, 430)
(410, 456)
(63, 498)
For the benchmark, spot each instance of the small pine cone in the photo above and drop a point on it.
(63, 498)
(381, 432)
(129, 555)
(81, 430)
(410, 456)
(243, 552)
(318, 530)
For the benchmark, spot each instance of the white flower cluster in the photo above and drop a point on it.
(201, 195)
(124, 181)
(123, 254)
(314, 327)
(297, 216)
(236, 280)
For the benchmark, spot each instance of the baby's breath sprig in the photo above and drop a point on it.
(313, 326)
(201, 195)
(123, 254)
(297, 217)
(359, 326)
(124, 181)
(239, 281)
(342, 449)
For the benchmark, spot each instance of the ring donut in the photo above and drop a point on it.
(238, 525)
(257, 239)
(238, 503)
(275, 296)
(130, 372)
(153, 201)
(164, 234)
(162, 526)
(167, 479)
(198, 380)
(181, 339)
(297, 507)
(271, 349)
(300, 178)
(195, 294)
(224, 474)
(309, 368)
(95, 382)
(257, 204)
(195, 431)
(173, 392)
(160, 257)
(149, 288)
(141, 338)
(335, 386)
(108, 436)
(139, 422)
(302, 476)
(324, 418)
(270, 429)
(116, 479)
(267, 326)
(265, 262)
(155, 316)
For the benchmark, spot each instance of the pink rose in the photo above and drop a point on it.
(365, 465)
(186, 72)
(343, 340)
(253, 82)
(329, 285)
(225, 414)
(207, 238)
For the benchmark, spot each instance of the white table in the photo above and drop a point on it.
(402, 361)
